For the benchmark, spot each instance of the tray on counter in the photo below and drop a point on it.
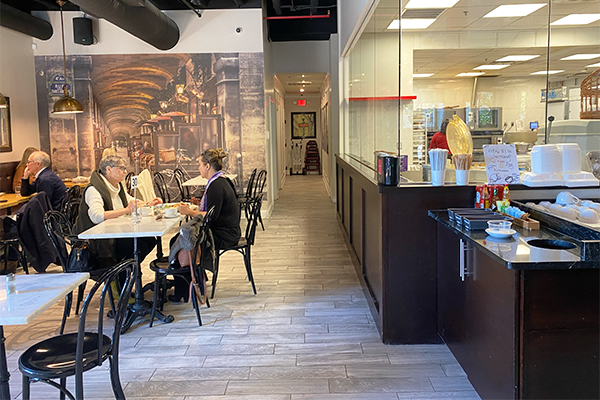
(474, 219)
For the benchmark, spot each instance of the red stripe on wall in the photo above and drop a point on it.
(414, 97)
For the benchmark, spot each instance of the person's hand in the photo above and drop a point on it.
(26, 173)
(154, 201)
(195, 200)
(184, 209)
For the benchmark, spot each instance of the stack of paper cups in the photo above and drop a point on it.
(546, 159)
(462, 177)
(571, 157)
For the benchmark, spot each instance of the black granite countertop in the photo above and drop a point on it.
(516, 253)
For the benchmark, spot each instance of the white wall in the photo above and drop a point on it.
(301, 57)
(213, 33)
(17, 81)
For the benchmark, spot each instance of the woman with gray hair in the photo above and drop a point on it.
(105, 198)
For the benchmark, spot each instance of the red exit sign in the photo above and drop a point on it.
(301, 103)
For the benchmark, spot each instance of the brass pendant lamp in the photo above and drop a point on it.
(66, 104)
(3, 102)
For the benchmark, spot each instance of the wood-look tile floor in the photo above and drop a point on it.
(306, 335)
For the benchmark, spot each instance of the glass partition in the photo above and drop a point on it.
(419, 63)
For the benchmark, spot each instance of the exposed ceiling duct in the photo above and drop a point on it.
(140, 18)
(23, 22)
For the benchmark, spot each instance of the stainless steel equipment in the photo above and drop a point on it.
(481, 138)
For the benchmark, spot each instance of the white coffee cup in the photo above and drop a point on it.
(568, 213)
(565, 198)
(144, 211)
(588, 215)
(171, 212)
(545, 204)
(555, 208)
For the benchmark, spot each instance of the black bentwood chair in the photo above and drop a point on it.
(244, 245)
(162, 269)
(244, 198)
(73, 354)
(257, 192)
(184, 191)
(162, 188)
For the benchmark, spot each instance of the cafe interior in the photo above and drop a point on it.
(369, 265)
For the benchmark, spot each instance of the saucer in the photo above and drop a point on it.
(500, 233)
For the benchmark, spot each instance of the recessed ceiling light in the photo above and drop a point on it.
(422, 75)
(516, 58)
(471, 73)
(593, 65)
(577, 19)
(548, 72)
(431, 3)
(580, 57)
(493, 66)
(302, 89)
(513, 10)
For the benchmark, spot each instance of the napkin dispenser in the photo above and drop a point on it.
(387, 167)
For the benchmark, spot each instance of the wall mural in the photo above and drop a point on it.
(160, 109)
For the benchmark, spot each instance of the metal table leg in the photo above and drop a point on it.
(141, 307)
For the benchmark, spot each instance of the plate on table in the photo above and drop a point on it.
(500, 233)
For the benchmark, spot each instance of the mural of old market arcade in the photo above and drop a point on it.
(162, 110)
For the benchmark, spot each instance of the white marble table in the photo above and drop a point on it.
(120, 228)
(35, 294)
(200, 181)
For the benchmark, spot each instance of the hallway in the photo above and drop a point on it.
(306, 335)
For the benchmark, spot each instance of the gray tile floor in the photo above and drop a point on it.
(306, 335)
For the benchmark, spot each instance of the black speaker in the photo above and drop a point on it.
(83, 32)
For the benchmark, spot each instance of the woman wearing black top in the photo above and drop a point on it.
(219, 193)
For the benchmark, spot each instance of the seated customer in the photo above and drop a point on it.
(219, 193)
(45, 180)
(21, 168)
(105, 198)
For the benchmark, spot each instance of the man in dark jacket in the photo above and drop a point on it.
(47, 181)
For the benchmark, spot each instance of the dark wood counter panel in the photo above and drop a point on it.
(393, 244)
(519, 333)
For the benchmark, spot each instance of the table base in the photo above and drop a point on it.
(139, 310)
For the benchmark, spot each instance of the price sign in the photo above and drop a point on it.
(134, 182)
(501, 164)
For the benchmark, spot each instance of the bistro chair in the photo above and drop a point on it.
(60, 231)
(73, 193)
(244, 198)
(73, 354)
(184, 191)
(243, 246)
(257, 191)
(9, 241)
(161, 185)
(128, 182)
(162, 268)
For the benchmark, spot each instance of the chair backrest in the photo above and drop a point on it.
(184, 191)
(161, 185)
(60, 230)
(203, 233)
(72, 210)
(72, 193)
(122, 271)
(259, 185)
(254, 207)
(128, 182)
(250, 186)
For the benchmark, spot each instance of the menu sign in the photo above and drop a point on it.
(501, 164)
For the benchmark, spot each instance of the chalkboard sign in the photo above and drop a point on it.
(501, 164)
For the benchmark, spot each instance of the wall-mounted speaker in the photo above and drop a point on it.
(83, 32)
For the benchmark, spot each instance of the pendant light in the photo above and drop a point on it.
(66, 104)
(3, 102)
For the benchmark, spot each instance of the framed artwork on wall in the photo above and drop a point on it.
(5, 133)
(303, 125)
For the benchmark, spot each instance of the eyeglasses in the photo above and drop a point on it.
(121, 167)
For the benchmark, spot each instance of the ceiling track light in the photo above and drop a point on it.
(66, 104)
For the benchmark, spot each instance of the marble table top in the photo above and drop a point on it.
(122, 227)
(35, 294)
(200, 181)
